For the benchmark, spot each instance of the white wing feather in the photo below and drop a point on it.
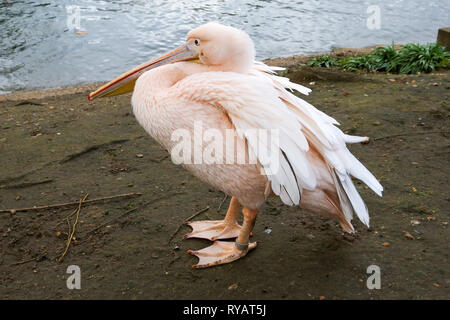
(252, 102)
(320, 129)
(260, 100)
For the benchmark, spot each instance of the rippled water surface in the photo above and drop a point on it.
(42, 46)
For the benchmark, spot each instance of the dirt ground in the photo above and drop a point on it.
(56, 147)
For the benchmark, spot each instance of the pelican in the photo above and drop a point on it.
(214, 79)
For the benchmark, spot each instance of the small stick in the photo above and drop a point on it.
(69, 240)
(91, 148)
(112, 220)
(196, 214)
(188, 219)
(25, 184)
(131, 210)
(409, 134)
(160, 159)
(59, 205)
(25, 102)
(223, 201)
(22, 262)
(172, 261)
(66, 218)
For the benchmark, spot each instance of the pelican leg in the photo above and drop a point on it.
(221, 252)
(217, 229)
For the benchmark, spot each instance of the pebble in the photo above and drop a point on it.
(234, 286)
(408, 235)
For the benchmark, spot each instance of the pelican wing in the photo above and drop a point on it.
(260, 100)
(320, 129)
(274, 136)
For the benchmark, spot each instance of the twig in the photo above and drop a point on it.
(188, 219)
(25, 184)
(22, 262)
(59, 205)
(409, 134)
(223, 201)
(26, 102)
(91, 148)
(65, 159)
(67, 218)
(160, 159)
(172, 262)
(196, 214)
(23, 175)
(131, 210)
(69, 240)
(112, 220)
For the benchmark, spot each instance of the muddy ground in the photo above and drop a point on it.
(56, 147)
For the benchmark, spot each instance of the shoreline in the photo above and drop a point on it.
(285, 62)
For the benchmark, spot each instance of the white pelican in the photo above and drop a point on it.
(213, 78)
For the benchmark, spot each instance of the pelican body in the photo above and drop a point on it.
(213, 79)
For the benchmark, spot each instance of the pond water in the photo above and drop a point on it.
(51, 44)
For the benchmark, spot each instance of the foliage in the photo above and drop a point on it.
(412, 58)
(323, 61)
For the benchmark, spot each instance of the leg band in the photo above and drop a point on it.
(240, 246)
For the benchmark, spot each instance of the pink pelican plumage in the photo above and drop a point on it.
(214, 78)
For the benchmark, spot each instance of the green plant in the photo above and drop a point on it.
(412, 58)
(445, 63)
(385, 58)
(366, 62)
(323, 61)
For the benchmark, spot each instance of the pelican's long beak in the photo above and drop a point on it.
(125, 82)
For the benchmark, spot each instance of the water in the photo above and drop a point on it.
(40, 49)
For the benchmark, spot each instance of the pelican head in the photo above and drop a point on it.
(226, 47)
(223, 48)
